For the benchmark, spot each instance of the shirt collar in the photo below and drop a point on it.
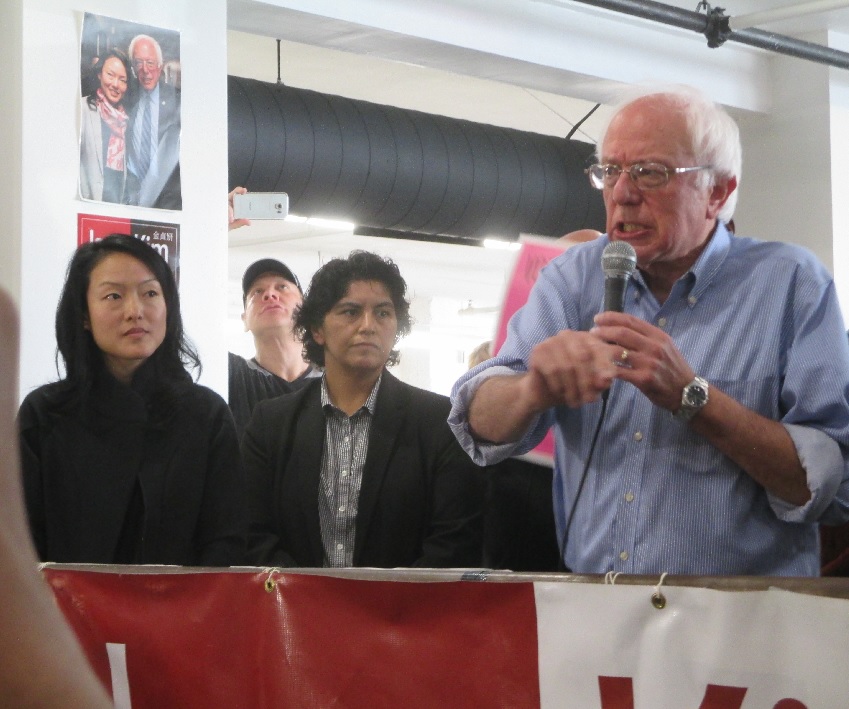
(153, 94)
(371, 401)
(711, 259)
(707, 265)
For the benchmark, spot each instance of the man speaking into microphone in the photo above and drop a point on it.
(724, 439)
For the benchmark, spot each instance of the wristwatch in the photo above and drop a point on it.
(693, 398)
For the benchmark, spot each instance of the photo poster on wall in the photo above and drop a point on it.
(130, 88)
(163, 238)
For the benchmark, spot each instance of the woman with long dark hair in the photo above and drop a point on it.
(103, 128)
(125, 459)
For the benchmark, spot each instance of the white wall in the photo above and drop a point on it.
(795, 183)
(787, 153)
(49, 205)
(839, 172)
(11, 50)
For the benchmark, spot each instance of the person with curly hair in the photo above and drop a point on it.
(358, 468)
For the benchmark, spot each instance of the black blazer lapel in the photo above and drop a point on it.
(389, 418)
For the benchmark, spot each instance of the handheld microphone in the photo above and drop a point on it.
(618, 261)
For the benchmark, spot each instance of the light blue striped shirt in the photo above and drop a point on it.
(760, 321)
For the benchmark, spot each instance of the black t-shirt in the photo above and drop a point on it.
(519, 529)
(250, 384)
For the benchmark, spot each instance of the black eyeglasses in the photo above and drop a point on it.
(645, 175)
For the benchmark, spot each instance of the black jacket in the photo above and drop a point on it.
(421, 495)
(106, 484)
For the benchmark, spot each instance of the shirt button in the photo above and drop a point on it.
(638, 436)
(692, 300)
(661, 322)
(623, 555)
(341, 508)
(342, 546)
(629, 497)
(344, 473)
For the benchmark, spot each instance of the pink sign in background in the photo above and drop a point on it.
(534, 254)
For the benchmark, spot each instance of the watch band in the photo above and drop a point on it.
(693, 398)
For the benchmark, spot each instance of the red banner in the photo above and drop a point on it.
(226, 640)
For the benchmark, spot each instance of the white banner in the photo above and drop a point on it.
(608, 647)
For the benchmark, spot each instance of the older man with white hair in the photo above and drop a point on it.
(154, 137)
(723, 440)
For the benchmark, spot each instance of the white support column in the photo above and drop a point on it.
(11, 127)
(47, 203)
(839, 173)
(785, 191)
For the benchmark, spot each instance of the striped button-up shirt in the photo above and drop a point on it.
(345, 449)
(761, 322)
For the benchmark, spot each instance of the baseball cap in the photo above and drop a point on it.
(263, 266)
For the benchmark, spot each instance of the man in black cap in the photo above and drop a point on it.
(271, 293)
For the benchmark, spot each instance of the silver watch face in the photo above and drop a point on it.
(695, 394)
(693, 398)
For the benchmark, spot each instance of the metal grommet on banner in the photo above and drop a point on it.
(658, 600)
(270, 584)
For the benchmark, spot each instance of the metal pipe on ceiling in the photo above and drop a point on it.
(716, 27)
(788, 12)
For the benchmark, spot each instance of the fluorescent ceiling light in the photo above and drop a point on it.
(320, 222)
(503, 245)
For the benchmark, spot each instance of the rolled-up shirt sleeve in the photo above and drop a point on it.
(822, 458)
(814, 397)
(485, 452)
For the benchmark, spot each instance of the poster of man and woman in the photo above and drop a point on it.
(129, 113)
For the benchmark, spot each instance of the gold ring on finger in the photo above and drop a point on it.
(624, 356)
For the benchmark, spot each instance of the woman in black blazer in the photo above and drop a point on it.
(126, 459)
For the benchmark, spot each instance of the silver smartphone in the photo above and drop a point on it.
(261, 205)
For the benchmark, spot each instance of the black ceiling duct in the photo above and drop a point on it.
(405, 171)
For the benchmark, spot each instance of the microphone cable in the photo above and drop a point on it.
(561, 563)
(618, 262)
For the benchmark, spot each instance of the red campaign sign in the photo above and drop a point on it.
(201, 640)
(92, 227)
(162, 236)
